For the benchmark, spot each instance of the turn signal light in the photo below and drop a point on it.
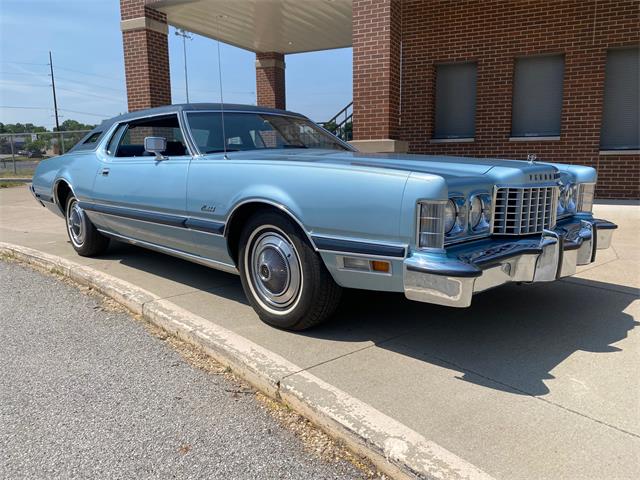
(380, 266)
(364, 264)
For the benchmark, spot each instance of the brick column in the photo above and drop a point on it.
(376, 75)
(270, 84)
(146, 55)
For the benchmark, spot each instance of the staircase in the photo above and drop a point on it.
(341, 124)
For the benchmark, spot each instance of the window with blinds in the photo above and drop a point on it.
(455, 115)
(620, 126)
(537, 96)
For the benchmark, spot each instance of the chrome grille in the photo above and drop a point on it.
(524, 210)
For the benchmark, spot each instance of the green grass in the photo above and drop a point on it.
(19, 158)
(21, 173)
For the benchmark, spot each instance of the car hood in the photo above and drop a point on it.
(450, 168)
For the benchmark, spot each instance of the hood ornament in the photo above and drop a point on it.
(532, 157)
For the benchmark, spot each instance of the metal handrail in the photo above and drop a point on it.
(341, 128)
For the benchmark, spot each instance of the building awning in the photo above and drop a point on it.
(285, 26)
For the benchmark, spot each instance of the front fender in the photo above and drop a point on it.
(327, 201)
(576, 173)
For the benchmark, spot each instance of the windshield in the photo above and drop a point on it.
(256, 131)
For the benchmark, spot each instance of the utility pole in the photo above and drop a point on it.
(185, 35)
(53, 86)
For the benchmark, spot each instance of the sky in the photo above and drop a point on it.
(85, 40)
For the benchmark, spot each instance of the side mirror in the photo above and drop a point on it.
(156, 145)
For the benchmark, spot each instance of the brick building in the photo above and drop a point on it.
(465, 77)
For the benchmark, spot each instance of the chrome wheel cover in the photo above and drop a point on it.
(274, 269)
(76, 224)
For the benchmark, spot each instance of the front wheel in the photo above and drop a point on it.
(284, 279)
(85, 238)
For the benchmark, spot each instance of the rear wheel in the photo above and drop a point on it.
(284, 279)
(84, 237)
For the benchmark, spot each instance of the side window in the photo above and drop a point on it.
(93, 138)
(128, 140)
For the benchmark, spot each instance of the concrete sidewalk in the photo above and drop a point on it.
(537, 381)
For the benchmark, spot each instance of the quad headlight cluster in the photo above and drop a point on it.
(465, 217)
(455, 218)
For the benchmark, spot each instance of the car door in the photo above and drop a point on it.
(139, 196)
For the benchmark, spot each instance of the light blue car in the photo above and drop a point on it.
(300, 215)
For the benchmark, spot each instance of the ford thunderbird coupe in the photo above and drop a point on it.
(300, 215)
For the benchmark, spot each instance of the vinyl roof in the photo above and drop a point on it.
(168, 109)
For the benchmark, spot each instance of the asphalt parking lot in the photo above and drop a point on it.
(87, 392)
(537, 381)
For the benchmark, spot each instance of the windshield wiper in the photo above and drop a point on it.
(294, 146)
(222, 150)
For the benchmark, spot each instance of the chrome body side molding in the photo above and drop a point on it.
(178, 221)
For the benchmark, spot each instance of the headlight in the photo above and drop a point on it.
(584, 202)
(479, 212)
(475, 211)
(450, 215)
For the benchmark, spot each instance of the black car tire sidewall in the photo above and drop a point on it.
(318, 290)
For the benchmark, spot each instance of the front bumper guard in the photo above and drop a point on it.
(553, 255)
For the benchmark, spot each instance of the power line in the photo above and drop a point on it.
(34, 74)
(26, 85)
(89, 74)
(89, 94)
(90, 84)
(58, 68)
(25, 63)
(21, 107)
(86, 113)
(25, 108)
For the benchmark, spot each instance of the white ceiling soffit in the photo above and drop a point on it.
(286, 26)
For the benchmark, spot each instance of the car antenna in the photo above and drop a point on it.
(224, 135)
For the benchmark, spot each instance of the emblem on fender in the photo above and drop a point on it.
(208, 208)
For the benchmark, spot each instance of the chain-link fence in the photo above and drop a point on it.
(20, 153)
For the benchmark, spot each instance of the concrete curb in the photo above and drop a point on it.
(394, 448)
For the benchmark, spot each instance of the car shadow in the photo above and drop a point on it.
(177, 270)
(510, 339)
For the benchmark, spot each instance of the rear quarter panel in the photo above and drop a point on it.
(77, 169)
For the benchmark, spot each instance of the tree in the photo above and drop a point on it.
(37, 145)
(69, 125)
(21, 128)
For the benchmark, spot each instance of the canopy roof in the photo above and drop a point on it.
(285, 26)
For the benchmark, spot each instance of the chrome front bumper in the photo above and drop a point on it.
(452, 279)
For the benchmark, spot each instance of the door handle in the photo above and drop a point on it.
(104, 172)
